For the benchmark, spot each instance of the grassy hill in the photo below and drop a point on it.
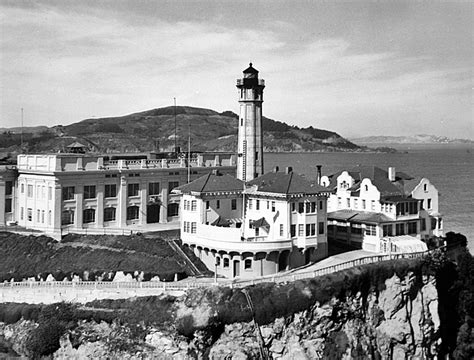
(148, 130)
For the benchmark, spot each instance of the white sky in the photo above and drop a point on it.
(358, 68)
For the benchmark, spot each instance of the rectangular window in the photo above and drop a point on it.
(248, 264)
(154, 188)
(400, 229)
(429, 204)
(257, 231)
(49, 217)
(8, 205)
(313, 207)
(22, 188)
(218, 204)
(29, 191)
(109, 214)
(42, 216)
(29, 214)
(292, 230)
(273, 206)
(370, 230)
(208, 205)
(257, 204)
(308, 207)
(110, 191)
(300, 208)
(300, 229)
(67, 217)
(321, 205)
(348, 202)
(433, 223)
(233, 204)
(372, 204)
(8, 188)
(387, 230)
(308, 229)
(38, 214)
(193, 227)
(133, 212)
(411, 227)
(22, 213)
(356, 204)
(339, 202)
(313, 229)
(68, 193)
(226, 262)
(281, 230)
(89, 192)
(172, 185)
(250, 204)
(193, 205)
(423, 224)
(363, 204)
(321, 228)
(293, 206)
(133, 189)
(50, 193)
(88, 216)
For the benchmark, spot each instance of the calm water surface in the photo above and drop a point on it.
(449, 168)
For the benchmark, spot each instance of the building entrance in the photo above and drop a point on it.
(236, 268)
(153, 213)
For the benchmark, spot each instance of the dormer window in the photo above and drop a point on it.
(366, 187)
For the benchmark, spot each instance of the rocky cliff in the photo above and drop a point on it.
(374, 312)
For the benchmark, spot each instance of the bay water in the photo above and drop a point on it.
(449, 167)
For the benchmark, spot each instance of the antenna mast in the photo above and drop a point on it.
(175, 140)
(21, 131)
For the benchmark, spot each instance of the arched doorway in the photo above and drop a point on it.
(153, 213)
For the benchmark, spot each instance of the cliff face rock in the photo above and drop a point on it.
(401, 321)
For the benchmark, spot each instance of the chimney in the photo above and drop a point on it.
(289, 170)
(391, 173)
(275, 169)
(318, 177)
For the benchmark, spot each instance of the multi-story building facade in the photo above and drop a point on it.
(275, 222)
(73, 192)
(8, 176)
(381, 211)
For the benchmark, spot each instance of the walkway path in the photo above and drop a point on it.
(85, 291)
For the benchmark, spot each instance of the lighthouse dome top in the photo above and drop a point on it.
(250, 72)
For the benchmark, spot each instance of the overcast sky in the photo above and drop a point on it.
(358, 68)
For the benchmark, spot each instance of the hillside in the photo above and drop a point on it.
(413, 139)
(152, 129)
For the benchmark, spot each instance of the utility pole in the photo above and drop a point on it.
(189, 152)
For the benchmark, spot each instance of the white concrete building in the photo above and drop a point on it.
(273, 223)
(381, 211)
(59, 193)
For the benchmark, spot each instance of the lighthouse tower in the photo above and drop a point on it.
(250, 144)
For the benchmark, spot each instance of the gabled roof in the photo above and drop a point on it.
(76, 145)
(288, 184)
(212, 183)
(377, 176)
(359, 216)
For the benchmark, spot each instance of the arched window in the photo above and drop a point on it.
(88, 216)
(109, 214)
(67, 217)
(133, 212)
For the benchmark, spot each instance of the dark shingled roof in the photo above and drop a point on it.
(358, 216)
(250, 70)
(259, 223)
(212, 183)
(282, 183)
